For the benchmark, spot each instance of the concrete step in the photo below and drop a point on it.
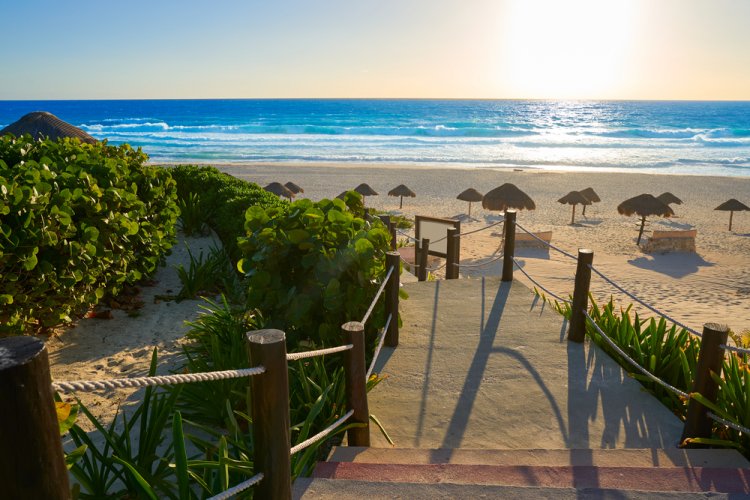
(662, 479)
(648, 457)
(323, 489)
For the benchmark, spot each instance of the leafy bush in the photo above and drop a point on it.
(223, 200)
(78, 221)
(313, 266)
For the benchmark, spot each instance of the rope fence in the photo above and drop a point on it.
(644, 304)
(183, 378)
(728, 423)
(295, 356)
(381, 339)
(633, 362)
(739, 350)
(239, 488)
(547, 243)
(547, 291)
(377, 296)
(322, 434)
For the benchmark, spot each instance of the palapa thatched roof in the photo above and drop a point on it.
(644, 205)
(732, 206)
(40, 124)
(668, 198)
(365, 190)
(279, 189)
(507, 196)
(574, 198)
(402, 190)
(293, 188)
(470, 195)
(590, 195)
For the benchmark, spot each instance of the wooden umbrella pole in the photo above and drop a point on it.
(731, 214)
(469, 209)
(640, 233)
(401, 203)
(573, 217)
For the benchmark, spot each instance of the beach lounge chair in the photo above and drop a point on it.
(671, 241)
(525, 240)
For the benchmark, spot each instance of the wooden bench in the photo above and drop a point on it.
(671, 241)
(525, 240)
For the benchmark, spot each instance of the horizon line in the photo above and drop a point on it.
(562, 99)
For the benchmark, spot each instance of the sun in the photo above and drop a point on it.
(574, 49)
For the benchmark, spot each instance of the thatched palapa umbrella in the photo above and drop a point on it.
(668, 198)
(40, 124)
(279, 189)
(644, 205)
(294, 188)
(401, 191)
(365, 190)
(574, 198)
(732, 206)
(507, 196)
(590, 195)
(470, 195)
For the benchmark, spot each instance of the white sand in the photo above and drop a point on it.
(712, 285)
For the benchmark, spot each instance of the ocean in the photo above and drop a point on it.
(675, 137)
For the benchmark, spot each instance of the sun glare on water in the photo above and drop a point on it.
(573, 49)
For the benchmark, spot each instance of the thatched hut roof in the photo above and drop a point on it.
(365, 190)
(470, 195)
(40, 124)
(279, 189)
(507, 196)
(668, 198)
(590, 195)
(574, 198)
(732, 206)
(644, 205)
(293, 188)
(402, 190)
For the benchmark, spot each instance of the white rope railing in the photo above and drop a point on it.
(317, 437)
(406, 234)
(547, 291)
(729, 423)
(740, 350)
(438, 268)
(224, 495)
(182, 378)
(630, 360)
(547, 243)
(381, 339)
(294, 356)
(644, 304)
(377, 295)
(480, 264)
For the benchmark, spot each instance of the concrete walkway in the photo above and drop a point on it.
(485, 365)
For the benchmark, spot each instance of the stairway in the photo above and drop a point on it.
(485, 398)
(377, 473)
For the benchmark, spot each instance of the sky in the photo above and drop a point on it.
(497, 49)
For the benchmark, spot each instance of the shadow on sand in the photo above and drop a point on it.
(676, 265)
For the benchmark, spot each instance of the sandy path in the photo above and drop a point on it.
(121, 347)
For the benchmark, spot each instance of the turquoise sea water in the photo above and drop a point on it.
(708, 138)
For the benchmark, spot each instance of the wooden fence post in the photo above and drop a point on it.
(32, 463)
(392, 260)
(710, 359)
(424, 250)
(356, 385)
(510, 245)
(577, 329)
(270, 411)
(454, 250)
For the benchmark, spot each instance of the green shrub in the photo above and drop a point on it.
(313, 266)
(223, 198)
(77, 221)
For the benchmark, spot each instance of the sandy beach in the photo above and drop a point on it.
(711, 285)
